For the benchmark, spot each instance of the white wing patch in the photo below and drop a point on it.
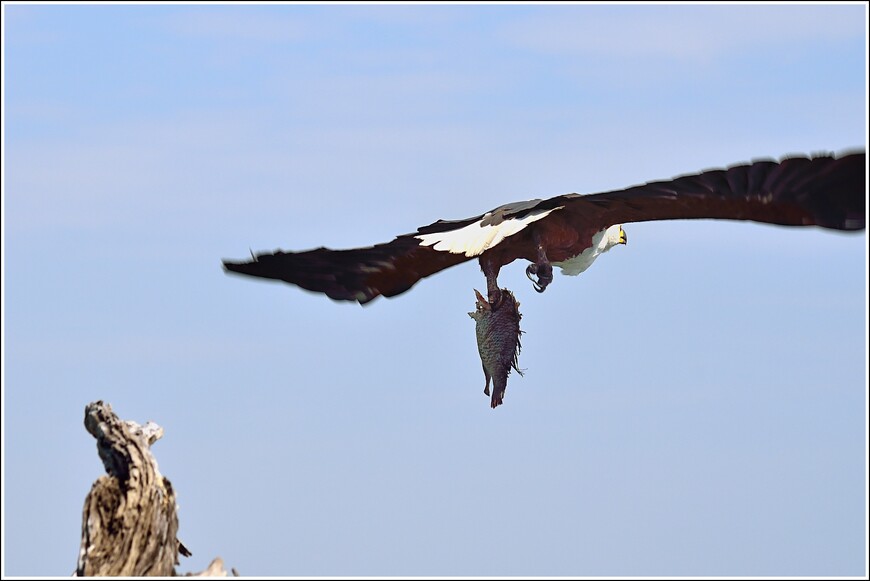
(474, 239)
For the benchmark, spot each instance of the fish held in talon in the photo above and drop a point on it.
(570, 231)
(498, 341)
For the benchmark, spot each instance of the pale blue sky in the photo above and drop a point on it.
(694, 404)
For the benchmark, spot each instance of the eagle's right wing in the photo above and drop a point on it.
(821, 191)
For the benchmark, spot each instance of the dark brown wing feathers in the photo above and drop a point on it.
(363, 274)
(360, 274)
(824, 191)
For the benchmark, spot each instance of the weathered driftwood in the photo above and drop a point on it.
(130, 522)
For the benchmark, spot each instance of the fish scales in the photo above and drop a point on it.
(498, 342)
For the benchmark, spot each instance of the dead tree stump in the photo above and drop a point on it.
(129, 523)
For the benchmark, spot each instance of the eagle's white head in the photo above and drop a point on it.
(613, 236)
(603, 241)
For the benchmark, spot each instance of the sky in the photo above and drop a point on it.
(694, 404)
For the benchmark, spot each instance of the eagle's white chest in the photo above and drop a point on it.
(574, 266)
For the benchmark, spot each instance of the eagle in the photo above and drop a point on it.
(570, 231)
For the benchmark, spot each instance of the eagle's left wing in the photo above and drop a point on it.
(389, 269)
(359, 274)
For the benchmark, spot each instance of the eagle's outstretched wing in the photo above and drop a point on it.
(824, 191)
(389, 269)
(821, 191)
(359, 274)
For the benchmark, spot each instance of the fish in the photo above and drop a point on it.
(498, 341)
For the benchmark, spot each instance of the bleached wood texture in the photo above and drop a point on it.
(129, 524)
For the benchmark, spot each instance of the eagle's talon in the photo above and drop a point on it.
(543, 274)
(494, 299)
(531, 269)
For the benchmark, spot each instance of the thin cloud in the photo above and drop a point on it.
(237, 25)
(697, 33)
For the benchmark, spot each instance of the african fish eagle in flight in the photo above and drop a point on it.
(570, 231)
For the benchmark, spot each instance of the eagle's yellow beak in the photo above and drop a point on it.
(623, 239)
